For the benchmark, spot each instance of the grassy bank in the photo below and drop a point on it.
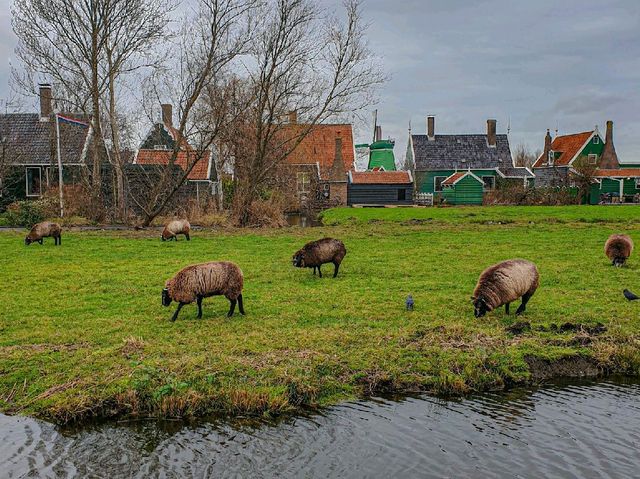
(83, 332)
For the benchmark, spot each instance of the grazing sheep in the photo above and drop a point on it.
(316, 253)
(618, 248)
(503, 283)
(199, 281)
(175, 228)
(43, 230)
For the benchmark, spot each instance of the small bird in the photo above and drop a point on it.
(629, 295)
(409, 303)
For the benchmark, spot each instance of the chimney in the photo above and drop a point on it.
(167, 114)
(293, 117)
(45, 101)
(609, 159)
(431, 127)
(491, 133)
(338, 171)
(547, 145)
(378, 133)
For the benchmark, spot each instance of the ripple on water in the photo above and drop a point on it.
(575, 430)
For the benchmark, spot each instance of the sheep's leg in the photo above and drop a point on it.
(40, 240)
(506, 308)
(232, 308)
(335, 271)
(314, 270)
(186, 235)
(523, 306)
(199, 307)
(60, 240)
(175, 315)
(319, 271)
(240, 306)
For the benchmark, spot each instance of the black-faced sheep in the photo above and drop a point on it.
(43, 230)
(503, 283)
(618, 248)
(316, 253)
(175, 228)
(199, 281)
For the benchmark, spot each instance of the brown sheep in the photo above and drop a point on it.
(503, 283)
(316, 253)
(175, 228)
(199, 281)
(618, 248)
(43, 230)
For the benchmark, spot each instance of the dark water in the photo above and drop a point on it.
(303, 220)
(578, 430)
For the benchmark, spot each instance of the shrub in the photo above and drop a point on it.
(518, 195)
(27, 213)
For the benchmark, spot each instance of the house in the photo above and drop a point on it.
(435, 159)
(380, 188)
(320, 162)
(29, 149)
(613, 181)
(157, 149)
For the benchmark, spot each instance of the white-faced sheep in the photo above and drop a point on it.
(199, 281)
(175, 228)
(618, 248)
(44, 230)
(316, 253)
(503, 283)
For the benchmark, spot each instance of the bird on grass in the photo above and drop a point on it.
(629, 295)
(409, 303)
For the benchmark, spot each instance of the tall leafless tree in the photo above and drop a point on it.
(523, 156)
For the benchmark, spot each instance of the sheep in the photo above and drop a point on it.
(43, 230)
(199, 281)
(503, 283)
(316, 253)
(175, 228)
(618, 248)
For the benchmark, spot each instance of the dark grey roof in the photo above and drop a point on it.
(451, 152)
(29, 141)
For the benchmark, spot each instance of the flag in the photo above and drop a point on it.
(72, 121)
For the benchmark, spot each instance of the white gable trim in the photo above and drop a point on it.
(584, 145)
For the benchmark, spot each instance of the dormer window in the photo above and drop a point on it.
(551, 157)
(159, 147)
(593, 158)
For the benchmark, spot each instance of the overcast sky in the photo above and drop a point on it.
(542, 64)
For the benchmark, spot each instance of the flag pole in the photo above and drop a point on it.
(60, 185)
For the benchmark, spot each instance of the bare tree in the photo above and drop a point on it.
(582, 175)
(304, 61)
(523, 156)
(210, 42)
(84, 47)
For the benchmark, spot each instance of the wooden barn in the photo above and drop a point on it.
(379, 188)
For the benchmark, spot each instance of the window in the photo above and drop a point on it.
(160, 147)
(402, 194)
(437, 183)
(489, 182)
(637, 183)
(34, 181)
(551, 157)
(303, 183)
(593, 158)
(596, 140)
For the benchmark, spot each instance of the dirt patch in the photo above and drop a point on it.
(569, 367)
(518, 328)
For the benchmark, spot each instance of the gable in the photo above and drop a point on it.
(568, 147)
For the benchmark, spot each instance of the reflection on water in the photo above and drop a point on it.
(573, 430)
(303, 220)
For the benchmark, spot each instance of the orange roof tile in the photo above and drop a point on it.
(568, 145)
(622, 172)
(381, 177)
(453, 178)
(200, 171)
(319, 146)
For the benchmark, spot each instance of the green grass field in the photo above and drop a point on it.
(83, 333)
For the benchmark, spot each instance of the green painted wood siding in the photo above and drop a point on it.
(467, 191)
(425, 179)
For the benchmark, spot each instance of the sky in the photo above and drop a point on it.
(532, 65)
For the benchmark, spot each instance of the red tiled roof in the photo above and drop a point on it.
(568, 145)
(200, 170)
(381, 177)
(453, 178)
(319, 146)
(622, 172)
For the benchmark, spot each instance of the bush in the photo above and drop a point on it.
(518, 195)
(27, 213)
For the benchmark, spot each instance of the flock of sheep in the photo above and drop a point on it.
(498, 285)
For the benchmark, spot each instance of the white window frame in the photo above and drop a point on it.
(303, 178)
(593, 158)
(493, 183)
(551, 157)
(26, 180)
(637, 183)
(596, 140)
(435, 180)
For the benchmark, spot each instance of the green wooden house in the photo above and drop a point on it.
(461, 169)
